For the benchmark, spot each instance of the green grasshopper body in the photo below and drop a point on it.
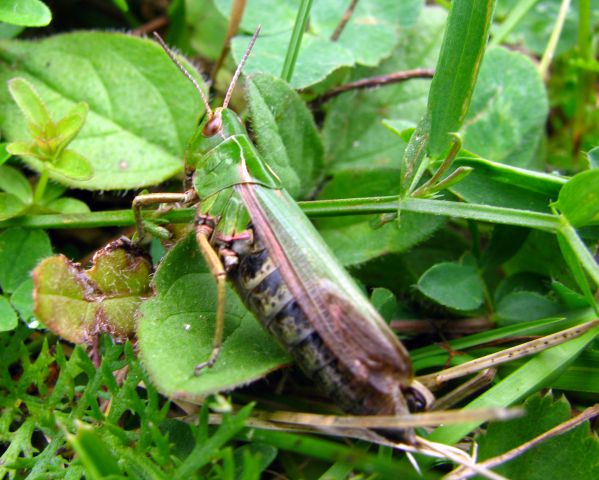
(287, 276)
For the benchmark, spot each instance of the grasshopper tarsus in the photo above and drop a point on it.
(200, 367)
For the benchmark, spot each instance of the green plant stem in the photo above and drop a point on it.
(580, 250)
(296, 40)
(512, 20)
(40, 188)
(320, 208)
(554, 39)
(586, 78)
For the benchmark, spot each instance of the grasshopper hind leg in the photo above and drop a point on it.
(204, 231)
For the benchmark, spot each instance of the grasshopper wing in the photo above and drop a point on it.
(339, 311)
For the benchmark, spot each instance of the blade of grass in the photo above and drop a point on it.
(334, 452)
(512, 20)
(553, 39)
(296, 40)
(530, 377)
(457, 69)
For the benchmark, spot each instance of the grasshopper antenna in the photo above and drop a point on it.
(239, 67)
(171, 55)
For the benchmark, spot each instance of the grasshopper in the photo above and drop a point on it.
(253, 233)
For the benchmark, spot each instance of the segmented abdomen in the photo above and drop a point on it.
(261, 287)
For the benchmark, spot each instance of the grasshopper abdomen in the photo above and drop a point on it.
(262, 288)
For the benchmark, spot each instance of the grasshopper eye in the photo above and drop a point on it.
(213, 126)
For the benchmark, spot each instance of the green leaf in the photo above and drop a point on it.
(354, 238)
(10, 206)
(98, 460)
(505, 242)
(207, 27)
(353, 133)
(456, 72)
(525, 307)
(67, 205)
(593, 158)
(29, 102)
(280, 18)
(534, 29)
(22, 300)
(69, 126)
(535, 373)
(20, 251)
(579, 199)
(126, 147)
(453, 285)
(574, 451)
(8, 317)
(72, 165)
(78, 304)
(506, 120)
(14, 182)
(28, 13)
(371, 32)
(4, 153)
(570, 298)
(317, 57)
(285, 133)
(176, 329)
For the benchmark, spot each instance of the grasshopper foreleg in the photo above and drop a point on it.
(152, 199)
(203, 234)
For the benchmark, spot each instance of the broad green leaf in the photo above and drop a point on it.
(574, 451)
(8, 317)
(280, 17)
(453, 285)
(509, 108)
(207, 27)
(176, 329)
(10, 206)
(317, 58)
(14, 182)
(371, 32)
(27, 13)
(353, 133)
(126, 146)
(354, 239)
(20, 251)
(579, 198)
(78, 304)
(285, 133)
(525, 307)
(463, 48)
